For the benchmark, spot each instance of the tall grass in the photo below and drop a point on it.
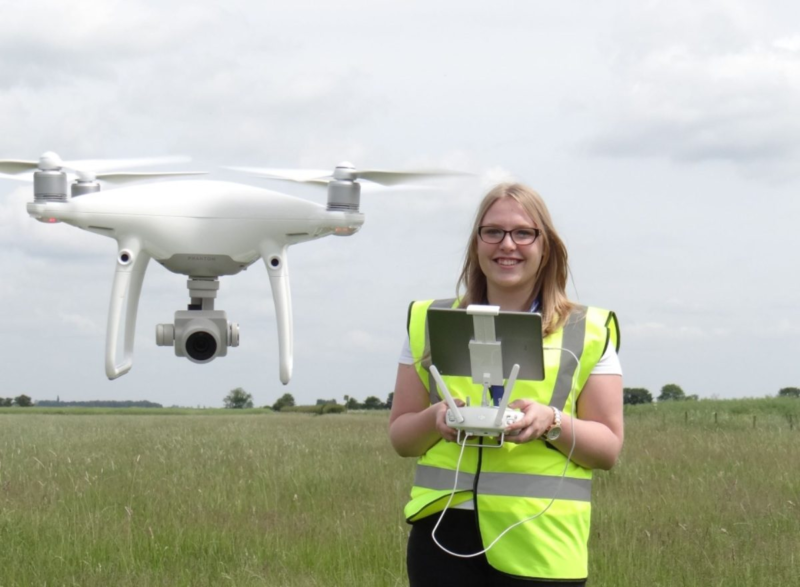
(296, 500)
(183, 500)
(698, 503)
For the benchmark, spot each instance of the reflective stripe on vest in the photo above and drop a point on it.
(506, 484)
(572, 339)
(434, 391)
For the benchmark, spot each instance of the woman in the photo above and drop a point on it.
(515, 260)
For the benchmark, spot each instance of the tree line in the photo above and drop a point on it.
(23, 401)
(240, 399)
(98, 404)
(673, 392)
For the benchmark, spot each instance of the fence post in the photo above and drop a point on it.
(715, 417)
(754, 421)
(686, 416)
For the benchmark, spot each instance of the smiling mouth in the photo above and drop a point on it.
(507, 262)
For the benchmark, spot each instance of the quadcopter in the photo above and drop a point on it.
(199, 228)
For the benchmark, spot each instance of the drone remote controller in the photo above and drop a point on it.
(480, 421)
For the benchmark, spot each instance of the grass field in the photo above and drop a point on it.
(91, 497)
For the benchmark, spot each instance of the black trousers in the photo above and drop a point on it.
(429, 566)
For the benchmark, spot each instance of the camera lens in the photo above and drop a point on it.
(201, 346)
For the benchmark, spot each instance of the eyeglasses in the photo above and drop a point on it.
(521, 236)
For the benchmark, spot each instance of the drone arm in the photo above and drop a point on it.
(278, 270)
(131, 265)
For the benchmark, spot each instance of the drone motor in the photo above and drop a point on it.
(85, 184)
(49, 185)
(344, 192)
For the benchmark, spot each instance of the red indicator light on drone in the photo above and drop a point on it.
(52, 220)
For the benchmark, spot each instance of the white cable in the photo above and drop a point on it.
(573, 415)
(450, 500)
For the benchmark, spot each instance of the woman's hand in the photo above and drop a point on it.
(537, 419)
(414, 424)
(448, 433)
(594, 438)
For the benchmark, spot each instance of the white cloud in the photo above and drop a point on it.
(788, 43)
(496, 175)
(83, 324)
(660, 332)
(362, 341)
(719, 89)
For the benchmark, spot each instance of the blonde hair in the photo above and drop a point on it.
(551, 282)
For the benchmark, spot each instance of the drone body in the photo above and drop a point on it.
(183, 224)
(199, 228)
(202, 229)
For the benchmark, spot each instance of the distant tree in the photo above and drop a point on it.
(324, 402)
(8, 402)
(389, 400)
(789, 392)
(373, 403)
(238, 399)
(671, 392)
(23, 401)
(346, 401)
(49, 403)
(331, 408)
(352, 403)
(636, 395)
(694, 397)
(285, 401)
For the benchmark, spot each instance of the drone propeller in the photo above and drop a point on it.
(346, 171)
(119, 177)
(86, 170)
(50, 173)
(50, 161)
(115, 164)
(14, 166)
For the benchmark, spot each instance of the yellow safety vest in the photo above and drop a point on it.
(517, 481)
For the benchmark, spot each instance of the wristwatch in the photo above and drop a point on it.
(554, 431)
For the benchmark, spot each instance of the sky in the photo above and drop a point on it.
(664, 137)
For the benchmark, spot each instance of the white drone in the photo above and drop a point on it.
(199, 228)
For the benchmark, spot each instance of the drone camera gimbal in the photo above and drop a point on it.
(200, 333)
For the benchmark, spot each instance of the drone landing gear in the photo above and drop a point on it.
(131, 265)
(274, 256)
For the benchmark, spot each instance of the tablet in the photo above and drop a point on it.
(520, 335)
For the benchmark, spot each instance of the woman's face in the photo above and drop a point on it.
(509, 267)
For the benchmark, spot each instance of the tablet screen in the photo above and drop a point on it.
(520, 335)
